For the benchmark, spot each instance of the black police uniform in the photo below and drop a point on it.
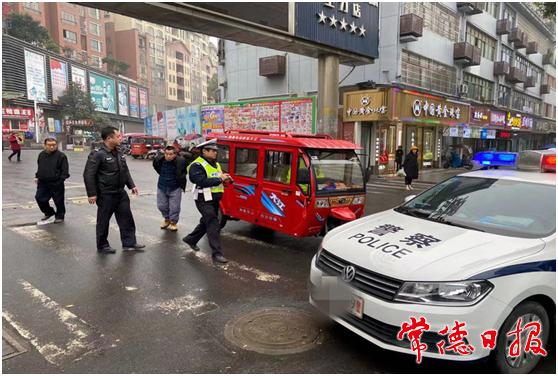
(105, 175)
(209, 222)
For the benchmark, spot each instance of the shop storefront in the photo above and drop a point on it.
(520, 128)
(544, 133)
(391, 117)
(18, 120)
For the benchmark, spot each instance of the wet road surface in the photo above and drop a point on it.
(164, 310)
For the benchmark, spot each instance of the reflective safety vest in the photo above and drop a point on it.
(212, 172)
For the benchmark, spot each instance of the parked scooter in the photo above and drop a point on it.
(450, 158)
(154, 153)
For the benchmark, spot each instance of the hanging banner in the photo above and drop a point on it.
(57, 126)
(134, 109)
(161, 123)
(102, 93)
(58, 78)
(154, 125)
(50, 122)
(122, 99)
(78, 76)
(188, 120)
(143, 103)
(35, 76)
(172, 130)
(212, 119)
(148, 126)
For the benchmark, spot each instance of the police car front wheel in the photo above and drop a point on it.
(525, 362)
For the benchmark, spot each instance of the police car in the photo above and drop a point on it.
(479, 249)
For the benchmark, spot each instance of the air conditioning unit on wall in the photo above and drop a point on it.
(463, 89)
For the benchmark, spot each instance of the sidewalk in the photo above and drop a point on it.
(433, 176)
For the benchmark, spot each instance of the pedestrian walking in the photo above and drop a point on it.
(15, 145)
(208, 178)
(172, 182)
(411, 167)
(399, 157)
(105, 175)
(52, 170)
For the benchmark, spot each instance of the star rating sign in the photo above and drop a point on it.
(322, 16)
(343, 25)
(362, 31)
(353, 28)
(333, 21)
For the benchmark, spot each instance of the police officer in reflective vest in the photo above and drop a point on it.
(208, 178)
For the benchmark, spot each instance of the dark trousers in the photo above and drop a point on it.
(398, 165)
(209, 223)
(408, 180)
(15, 152)
(47, 190)
(119, 205)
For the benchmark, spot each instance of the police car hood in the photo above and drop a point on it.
(412, 249)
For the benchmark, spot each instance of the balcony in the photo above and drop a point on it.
(273, 66)
(530, 81)
(503, 27)
(522, 43)
(532, 48)
(470, 8)
(515, 35)
(516, 75)
(501, 68)
(466, 54)
(548, 59)
(545, 89)
(410, 28)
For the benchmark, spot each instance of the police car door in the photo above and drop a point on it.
(277, 189)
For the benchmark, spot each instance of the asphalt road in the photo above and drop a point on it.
(164, 310)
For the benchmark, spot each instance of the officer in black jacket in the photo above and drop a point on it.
(105, 175)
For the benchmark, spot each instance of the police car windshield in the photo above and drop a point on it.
(497, 206)
(336, 171)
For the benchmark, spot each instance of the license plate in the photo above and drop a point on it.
(356, 306)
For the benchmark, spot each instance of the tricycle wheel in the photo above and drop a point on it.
(446, 165)
(144, 156)
(469, 166)
(135, 156)
(222, 218)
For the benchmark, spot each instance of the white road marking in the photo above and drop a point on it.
(79, 331)
(44, 238)
(131, 288)
(188, 303)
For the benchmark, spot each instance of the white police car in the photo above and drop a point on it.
(479, 248)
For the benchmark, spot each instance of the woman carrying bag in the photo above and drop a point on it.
(410, 165)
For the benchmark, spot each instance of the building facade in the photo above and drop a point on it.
(496, 59)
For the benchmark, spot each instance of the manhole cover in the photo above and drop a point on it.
(10, 347)
(274, 331)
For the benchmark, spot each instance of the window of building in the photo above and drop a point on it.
(69, 36)
(533, 70)
(548, 110)
(170, 91)
(492, 8)
(96, 62)
(96, 45)
(420, 71)
(69, 18)
(246, 162)
(509, 14)
(523, 102)
(150, 31)
(70, 5)
(109, 42)
(504, 96)
(479, 89)
(95, 29)
(94, 13)
(277, 166)
(437, 18)
(521, 63)
(160, 51)
(32, 7)
(506, 54)
(483, 41)
(551, 81)
(138, 27)
(151, 48)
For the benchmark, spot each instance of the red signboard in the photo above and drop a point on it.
(505, 135)
(498, 119)
(5, 125)
(17, 113)
(24, 125)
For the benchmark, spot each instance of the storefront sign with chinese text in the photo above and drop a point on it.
(527, 123)
(545, 126)
(17, 113)
(370, 105)
(504, 134)
(414, 106)
(79, 123)
(497, 119)
(479, 116)
(513, 121)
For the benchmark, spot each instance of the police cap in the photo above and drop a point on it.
(211, 144)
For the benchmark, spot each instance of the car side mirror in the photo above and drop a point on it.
(409, 198)
(303, 176)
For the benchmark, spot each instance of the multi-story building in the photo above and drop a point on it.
(493, 58)
(79, 31)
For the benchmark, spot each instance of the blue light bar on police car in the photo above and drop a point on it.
(495, 158)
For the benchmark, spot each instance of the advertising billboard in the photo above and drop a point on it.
(102, 93)
(134, 108)
(143, 103)
(123, 99)
(58, 78)
(212, 119)
(35, 76)
(78, 76)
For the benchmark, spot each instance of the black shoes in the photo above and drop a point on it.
(59, 220)
(193, 246)
(219, 258)
(135, 247)
(106, 250)
(46, 217)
